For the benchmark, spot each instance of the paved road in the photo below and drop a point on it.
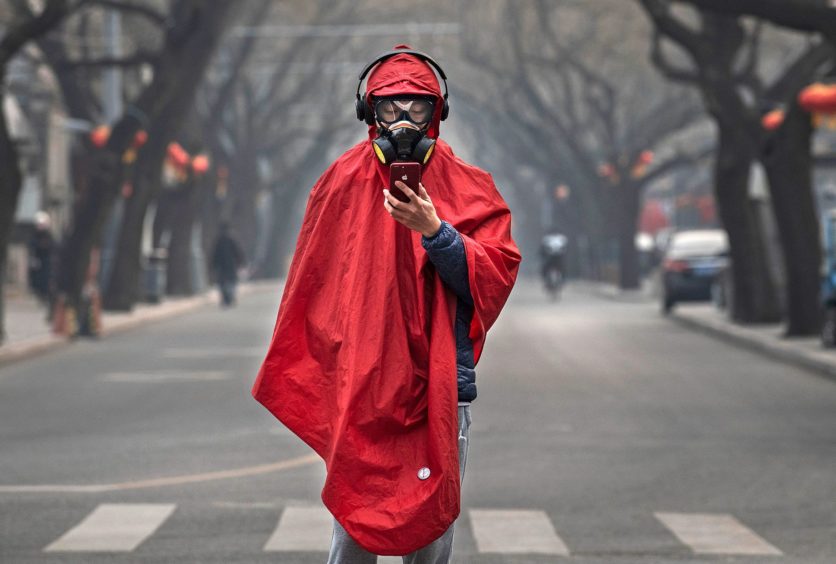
(602, 433)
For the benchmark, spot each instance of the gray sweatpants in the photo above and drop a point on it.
(345, 551)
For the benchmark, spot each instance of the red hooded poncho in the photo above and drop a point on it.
(362, 362)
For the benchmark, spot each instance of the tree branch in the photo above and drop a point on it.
(803, 15)
(138, 58)
(671, 72)
(146, 12)
(801, 71)
(34, 26)
(659, 11)
(676, 161)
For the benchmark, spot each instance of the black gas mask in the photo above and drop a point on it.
(402, 126)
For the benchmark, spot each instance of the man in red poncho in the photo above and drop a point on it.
(384, 316)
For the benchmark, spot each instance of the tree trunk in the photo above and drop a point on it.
(187, 53)
(753, 290)
(242, 215)
(788, 163)
(627, 216)
(90, 212)
(123, 288)
(280, 216)
(16, 34)
(211, 208)
(184, 208)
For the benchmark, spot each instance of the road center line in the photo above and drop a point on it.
(165, 376)
(166, 481)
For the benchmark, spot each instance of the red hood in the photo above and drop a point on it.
(405, 74)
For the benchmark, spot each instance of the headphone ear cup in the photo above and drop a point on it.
(368, 112)
(360, 109)
(445, 110)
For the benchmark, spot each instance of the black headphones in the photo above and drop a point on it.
(366, 114)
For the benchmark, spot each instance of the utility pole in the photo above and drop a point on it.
(113, 109)
(113, 74)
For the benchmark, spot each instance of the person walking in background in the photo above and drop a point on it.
(384, 316)
(227, 258)
(552, 269)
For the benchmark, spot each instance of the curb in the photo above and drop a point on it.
(28, 348)
(144, 314)
(821, 362)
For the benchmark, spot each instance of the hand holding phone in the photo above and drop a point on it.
(409, 174)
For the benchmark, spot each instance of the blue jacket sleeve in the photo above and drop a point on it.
(446, 251)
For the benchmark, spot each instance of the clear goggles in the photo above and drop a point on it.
(413, 109)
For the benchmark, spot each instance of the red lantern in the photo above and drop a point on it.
(653, 217)
(638, 170)
(773, 120)
(140, 139)
(99, 136)
(818, 97)
(178, 155)
(646, 157)
(606, 170)
(200, 165)
(561, 192)
(707, 209)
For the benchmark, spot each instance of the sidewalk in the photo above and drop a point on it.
(28, 333)
(765, 339)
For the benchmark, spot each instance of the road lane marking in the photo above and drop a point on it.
(246, 504)
(157, 376)
(215, 352)
(308, 529)
(515, 531)
(167, 481)
(715, 533)
(113, 527)
(302, 529)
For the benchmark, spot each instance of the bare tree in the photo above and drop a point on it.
(122, 290)
(25, 28)
(193, 29)
(803, 15)
(575, 112)
(735, 96)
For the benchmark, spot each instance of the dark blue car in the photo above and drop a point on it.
(691, 264)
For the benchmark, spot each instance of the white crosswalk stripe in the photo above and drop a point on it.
(515, 531)
(302, 529)
(114, 527)
(111, 527)
(308, 529)
(710, 533)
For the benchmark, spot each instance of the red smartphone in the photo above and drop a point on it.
(408, 173)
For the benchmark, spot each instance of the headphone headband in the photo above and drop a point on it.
(393, 52)
(383, 56)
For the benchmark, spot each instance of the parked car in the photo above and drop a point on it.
(691, 264)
